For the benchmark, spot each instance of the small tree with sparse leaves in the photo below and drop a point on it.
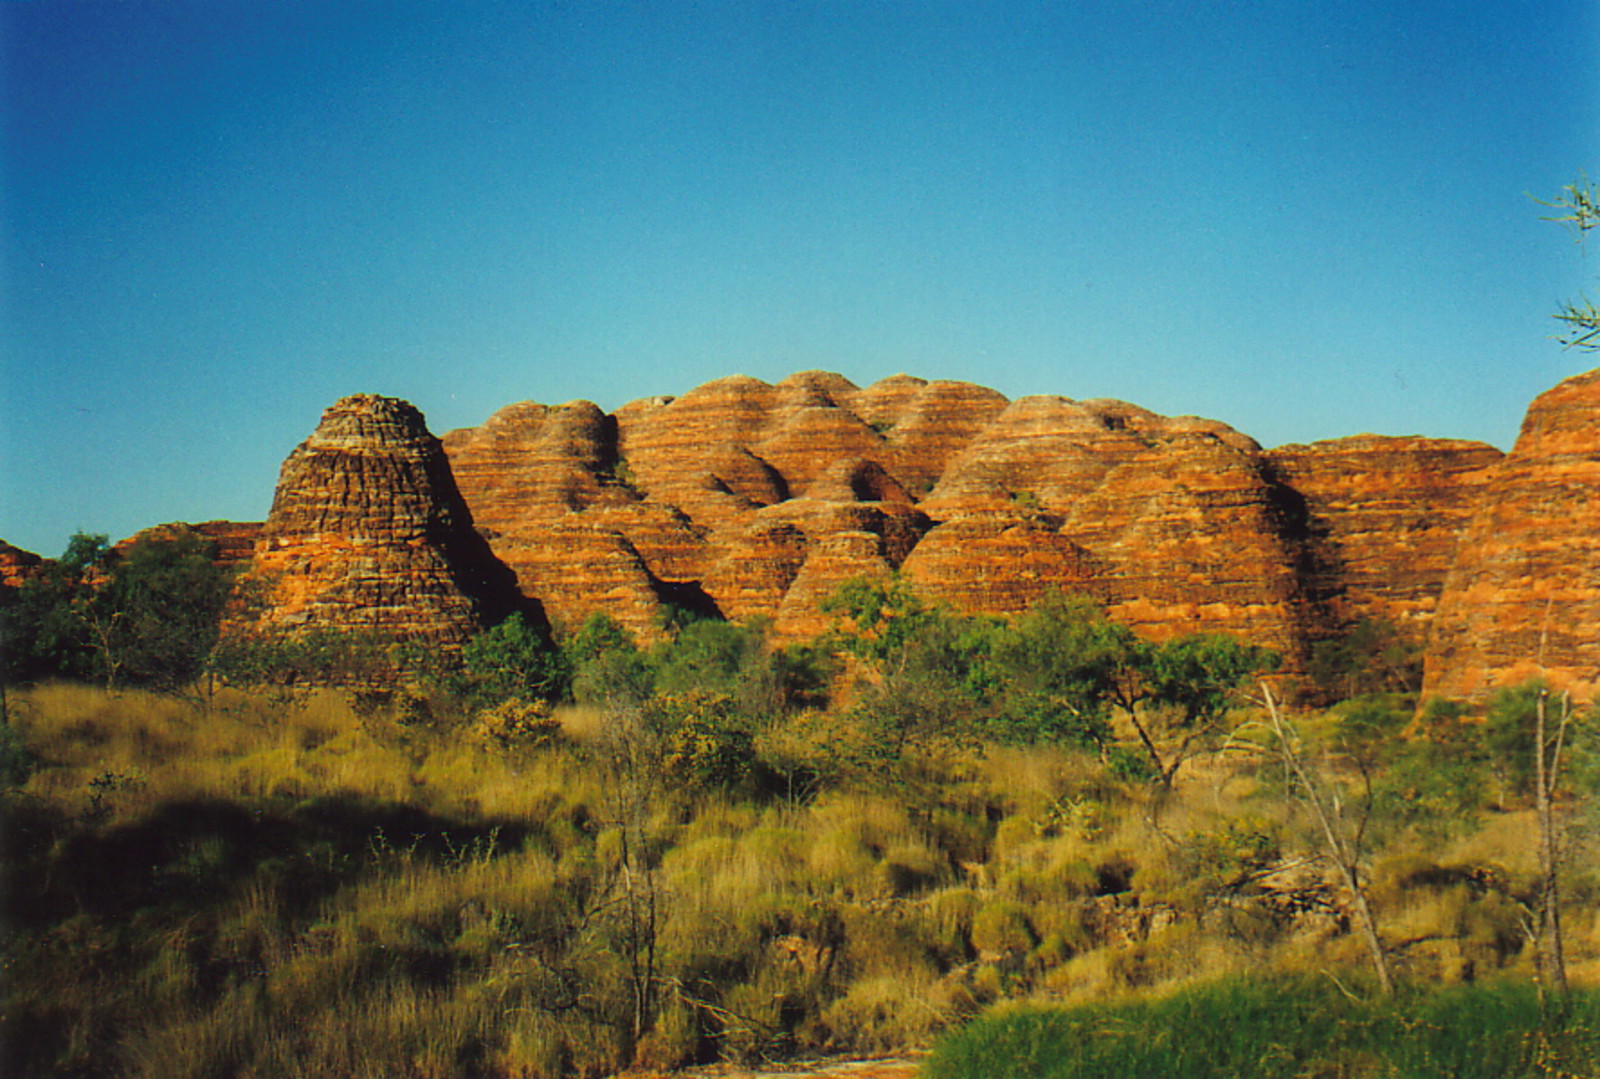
(1579, 206)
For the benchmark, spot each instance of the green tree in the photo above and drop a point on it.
(41, 633)
(707, 655)
(936, 686)
(607, 665)
(1063, 664)
(598, 635)
(736, 659)
(156, 619)
(515, 660)
(1056, 673)
(314, 657)
(144, 616)
(1197, 678)
(928, 674)
(1072, 667)
(877, 616)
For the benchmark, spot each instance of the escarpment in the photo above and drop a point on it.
(746, 499)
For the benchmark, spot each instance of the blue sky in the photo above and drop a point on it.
(1307, 220)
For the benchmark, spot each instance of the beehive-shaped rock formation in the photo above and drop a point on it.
(751, 499)
(763, 498)
(546, 489)
(368, 533)
(1187, 530)
(1522, 598)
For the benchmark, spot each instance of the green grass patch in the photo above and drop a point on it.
(1269, 1029)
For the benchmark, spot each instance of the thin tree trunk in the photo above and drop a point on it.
(1150, 748)
(1346, 856)
(1552, 960)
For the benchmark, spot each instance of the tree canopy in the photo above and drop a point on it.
(145, 615)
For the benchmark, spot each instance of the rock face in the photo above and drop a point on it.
(17, 565)
(1003, 563)
(369, 533)
(739, 498)
(757, 500)
(545, 490)
(235, 540)
(761, 499)
(1522, 597)
(1384, 515)
(1186, 527)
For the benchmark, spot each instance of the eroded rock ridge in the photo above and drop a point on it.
(756, 500)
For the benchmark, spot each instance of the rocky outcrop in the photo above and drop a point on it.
(1186, 528)
(368, 533)
(18, 566)
(1522, 598)
(925, 424)
(763, 498)
(233, 542)
(817, 543)
(718, 498)
(550, 495)
(757, 500)
(1384, 516)
(1003, 563)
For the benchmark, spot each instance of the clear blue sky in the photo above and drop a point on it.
(1305, 219)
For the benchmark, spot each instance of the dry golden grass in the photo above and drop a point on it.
(870, 916)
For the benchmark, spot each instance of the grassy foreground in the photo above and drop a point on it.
(1285, 1030)
(317, 885)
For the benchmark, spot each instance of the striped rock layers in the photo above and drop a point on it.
(1522, 598)
(368, 533)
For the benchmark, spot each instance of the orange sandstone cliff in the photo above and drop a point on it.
(1384, 517)
(756, 500)
(1522, 598)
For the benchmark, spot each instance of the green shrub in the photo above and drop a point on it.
(515, 722)
(1001, 928)
(1285, 1030)
(705, 745)
(514, 660)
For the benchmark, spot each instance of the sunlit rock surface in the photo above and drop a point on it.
(1522, 598)
(368, 533)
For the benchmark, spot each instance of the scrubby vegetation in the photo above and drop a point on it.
(576, 856)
